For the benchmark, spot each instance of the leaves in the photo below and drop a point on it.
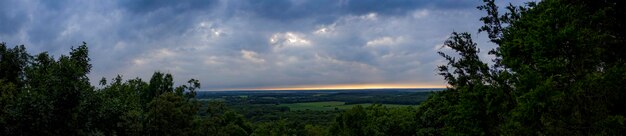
(556, 72)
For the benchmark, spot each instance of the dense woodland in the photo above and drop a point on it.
(309, 112)
(559, 69)
(353, 96)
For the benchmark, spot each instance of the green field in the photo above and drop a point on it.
(331, 105)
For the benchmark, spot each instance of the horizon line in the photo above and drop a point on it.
(337, 87)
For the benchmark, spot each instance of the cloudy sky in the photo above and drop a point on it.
(250, 44)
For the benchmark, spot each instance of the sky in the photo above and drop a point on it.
(251, 44)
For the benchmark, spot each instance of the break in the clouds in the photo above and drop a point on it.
(249, 43)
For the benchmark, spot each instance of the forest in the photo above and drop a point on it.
(559, 68)
(352, 96)
(302, 109)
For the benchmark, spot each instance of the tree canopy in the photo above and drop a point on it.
(559, 69)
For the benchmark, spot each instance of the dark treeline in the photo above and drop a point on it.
(406, 97)
(559, 69)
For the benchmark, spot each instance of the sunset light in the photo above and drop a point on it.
(346, 87)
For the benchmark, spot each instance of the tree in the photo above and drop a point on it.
(567, 55)
(557, 71)
(465, 104)
(375, 120)
(169, 114)
(315, 130)
(12, 64)
(42, 95)
(275, 128)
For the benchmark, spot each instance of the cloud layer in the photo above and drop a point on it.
(230, 44)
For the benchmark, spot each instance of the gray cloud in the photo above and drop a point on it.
(147, 6)
(325, 11)
(248, 44)
(11, 19)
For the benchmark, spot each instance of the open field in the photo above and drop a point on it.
(319, 107)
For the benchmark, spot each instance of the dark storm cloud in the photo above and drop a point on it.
(287, 10)
(146, 6)
(248, 43)
(328, 10)
(403, 6)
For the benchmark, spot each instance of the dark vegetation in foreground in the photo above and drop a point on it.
(559, 69)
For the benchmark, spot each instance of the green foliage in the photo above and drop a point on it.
(42, 95)
(316, 130)
(569, 67)
(12, 64)
(277, 128)
(375, 120)
(220, 120)
(53, 90)
(559, 70)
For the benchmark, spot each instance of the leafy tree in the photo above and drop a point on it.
(375, 120)
(276, 128)
(169, 114)
(466, 103)
(41, 95)
(568, 59)
(315, 130)
(12, 64)
(557, 71)
(222, 121)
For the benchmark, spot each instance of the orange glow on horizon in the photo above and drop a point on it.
(346, 87)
